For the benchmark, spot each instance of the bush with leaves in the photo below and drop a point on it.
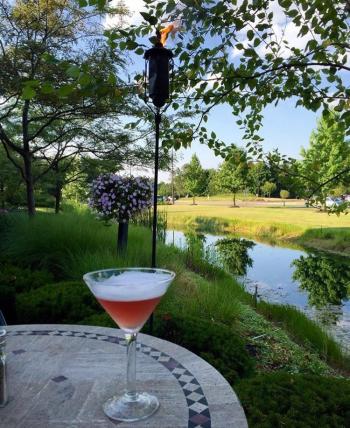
(217, 344)
(62, 303)
(290, 401)
(23, 279)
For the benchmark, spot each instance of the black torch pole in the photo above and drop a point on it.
(157, 119)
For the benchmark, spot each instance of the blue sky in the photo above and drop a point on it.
(284, 127)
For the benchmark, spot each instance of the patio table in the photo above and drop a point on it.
(60, 375)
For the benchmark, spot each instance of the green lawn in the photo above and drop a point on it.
(304, 225)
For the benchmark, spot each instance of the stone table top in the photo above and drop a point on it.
(60, 375)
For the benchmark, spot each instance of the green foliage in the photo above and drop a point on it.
(268, 188)
(305, 331)
(215, 343)
(61, 303)
(325, 163)
(267, 68)
(257, 175)
(99, 319)
(145, 219)
(209, 295)
(8, 303)
(284, 194)
(55, 89)
(23, 279)
(233, 254)
(164, 189)
(232, 175)
(305, 401)
(194, 177)
(325, 279)
(11, 186)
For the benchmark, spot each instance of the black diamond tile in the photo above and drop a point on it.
(59, 379)
(18, 351)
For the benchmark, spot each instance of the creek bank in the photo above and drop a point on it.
(332, 240)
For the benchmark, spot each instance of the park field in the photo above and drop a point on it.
(265, 220)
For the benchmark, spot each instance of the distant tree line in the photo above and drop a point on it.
(323, 169)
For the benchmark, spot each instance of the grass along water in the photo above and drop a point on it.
(71, 244)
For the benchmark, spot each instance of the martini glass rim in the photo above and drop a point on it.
(131, 269)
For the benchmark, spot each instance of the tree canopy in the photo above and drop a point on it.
(58, 78)
(232, 175)
(194, 177)
(250, 54)
(326, 162)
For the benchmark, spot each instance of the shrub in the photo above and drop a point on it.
(8, 303)
(101, 320)
(23, 279)
(217, 344)
(284, 194)
(284, 400)
(63, 303)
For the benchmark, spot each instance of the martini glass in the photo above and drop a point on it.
(129, 296)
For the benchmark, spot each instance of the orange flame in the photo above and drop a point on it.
(164, 32)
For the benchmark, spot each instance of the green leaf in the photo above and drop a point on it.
(149, 18)
(84, 79)
(131, 44)
(73, 71)
(65, 90)
(250, 34)
(47, 88)
(28, 93)
(112, 80)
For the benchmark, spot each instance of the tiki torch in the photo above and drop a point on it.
(158, 62)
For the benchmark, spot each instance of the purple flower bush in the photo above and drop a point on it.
(121, 198)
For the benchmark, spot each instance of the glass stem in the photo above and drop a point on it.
(131, 366)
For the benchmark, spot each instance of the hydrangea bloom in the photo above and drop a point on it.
(121, 198)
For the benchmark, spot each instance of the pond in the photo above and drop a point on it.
(317, 283)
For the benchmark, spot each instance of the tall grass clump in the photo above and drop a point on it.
(68, 244)
(306, 332)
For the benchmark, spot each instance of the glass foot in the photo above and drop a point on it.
(128, 408)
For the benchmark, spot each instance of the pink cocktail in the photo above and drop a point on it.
(129, 296)
(130, 315)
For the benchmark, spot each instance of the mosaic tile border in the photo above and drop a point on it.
(198, 408)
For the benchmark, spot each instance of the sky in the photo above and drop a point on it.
(285, 127)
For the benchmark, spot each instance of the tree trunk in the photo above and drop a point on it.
(27, 159)
(2, 195)
(234, 199)
(58, 197)
(122, 238)
(193, 200)
(29, 184)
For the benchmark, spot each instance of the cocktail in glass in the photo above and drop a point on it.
(130, 295)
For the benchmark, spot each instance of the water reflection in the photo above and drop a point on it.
(233, 255)
(317, 283)
(195, 244)
(325, 279)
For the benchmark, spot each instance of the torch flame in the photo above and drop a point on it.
(164, 32)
